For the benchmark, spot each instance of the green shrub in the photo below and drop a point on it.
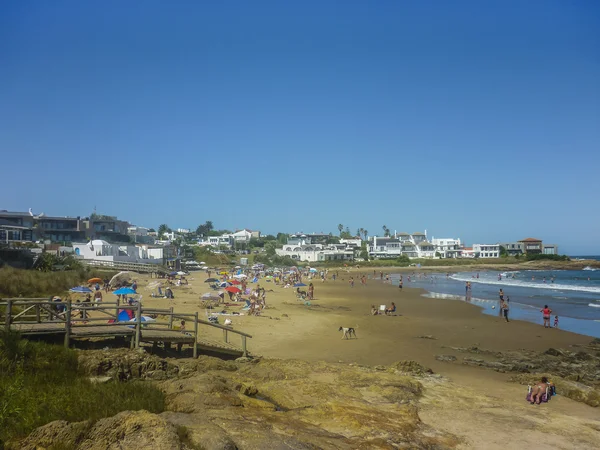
(543, 257)
(40, 383)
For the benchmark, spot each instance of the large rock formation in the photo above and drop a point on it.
(256, 404)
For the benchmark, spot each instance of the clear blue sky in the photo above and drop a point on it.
(471, 119)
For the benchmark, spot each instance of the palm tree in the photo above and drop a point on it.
(340, 228)
(386, 231)
(366, 232)
(360, 232)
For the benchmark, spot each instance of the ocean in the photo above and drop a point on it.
(573, 295)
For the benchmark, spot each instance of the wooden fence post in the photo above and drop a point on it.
(117, 311)
(225, 335)
(171, 318)
(68, 325)
(38, 319)
(244, 346)
(138, 325)
(196, 335)
(8, 316)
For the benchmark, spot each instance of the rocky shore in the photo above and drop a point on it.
(255, 404)
(273, 403)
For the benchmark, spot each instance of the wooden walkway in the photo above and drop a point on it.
(128, 266)
(44, 320)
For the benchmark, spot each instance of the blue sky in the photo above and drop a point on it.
(470, 119)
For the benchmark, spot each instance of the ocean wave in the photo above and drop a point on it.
(590, 268)
(519, 283)
(594, 305)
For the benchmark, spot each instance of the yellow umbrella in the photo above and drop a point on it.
(223, 273)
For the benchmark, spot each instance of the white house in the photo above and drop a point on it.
(316, 252)
(413, 245)
(100, 250)
(447, 247)
(242, 236)
(225, 239)
(353, 242)
(486, 250)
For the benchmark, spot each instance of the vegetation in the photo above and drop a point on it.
(40, 383)
(542, 257)
(33, 283)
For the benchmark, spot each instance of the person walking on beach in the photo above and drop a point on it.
(546, 315)
(504, 308)
(555, 321)
(400, 283)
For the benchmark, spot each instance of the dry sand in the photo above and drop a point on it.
(477, 404)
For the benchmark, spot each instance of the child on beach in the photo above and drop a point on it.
(555, 321)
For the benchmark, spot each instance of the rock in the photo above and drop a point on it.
(553, 352)
(128, 430)
(100, 379)
(427, 336)
(411, 367)
(447, 358)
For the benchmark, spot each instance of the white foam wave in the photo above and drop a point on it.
(590, 268)
(519, 283)
(594, 305)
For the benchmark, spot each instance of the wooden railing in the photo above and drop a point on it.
(41, 311)
(123, 265)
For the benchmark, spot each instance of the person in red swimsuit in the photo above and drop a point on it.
(546, 315)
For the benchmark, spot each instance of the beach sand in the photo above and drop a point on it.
(479, 405)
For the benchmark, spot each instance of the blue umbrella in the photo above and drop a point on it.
(299, 285)
(124, 291)
(81, 289)
(173, 274)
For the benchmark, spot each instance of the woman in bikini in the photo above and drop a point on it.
(546, 315)
(538, 390)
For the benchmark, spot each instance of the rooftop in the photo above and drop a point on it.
(418, 233)
(530, 240)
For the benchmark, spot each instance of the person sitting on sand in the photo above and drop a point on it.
(374, 310)
(391, 309)
(538, 390)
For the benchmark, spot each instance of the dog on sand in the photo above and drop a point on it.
(347, 332)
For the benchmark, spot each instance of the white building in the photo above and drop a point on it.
(100, 250)
(226, 240)
(183, 231)
(413, 245)
(354, 242)
(486, 250)
(447, 247)
(242, 236)
(316, 252)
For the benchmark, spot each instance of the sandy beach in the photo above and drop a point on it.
(422, 329)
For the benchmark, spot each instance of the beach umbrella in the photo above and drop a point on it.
(124, 291)
(144, 319)
(225, 284)
(235, 282)
(121, 277)
(95, 280)
(241, 275)
(81, 289)
(180, 273)
(210, 295)
(173, 273)
(211, 280)
(202, 263)
(313, 270)
(299, 285)
(233, 289)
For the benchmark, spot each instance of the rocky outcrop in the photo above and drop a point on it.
(257, 404)
(127, 430)
(576, 372)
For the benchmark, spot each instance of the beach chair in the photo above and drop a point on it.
(546, 396)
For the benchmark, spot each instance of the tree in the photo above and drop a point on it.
(340, 228)
(503, 252)
(162, 229)
(282, 238)
(205, 228)
(269, 237)
(360, 232)
(386, 231)
(366, 232)
(270, 248)
(364, 254)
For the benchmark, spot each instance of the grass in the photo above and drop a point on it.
(40, 382)
(33, 283)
